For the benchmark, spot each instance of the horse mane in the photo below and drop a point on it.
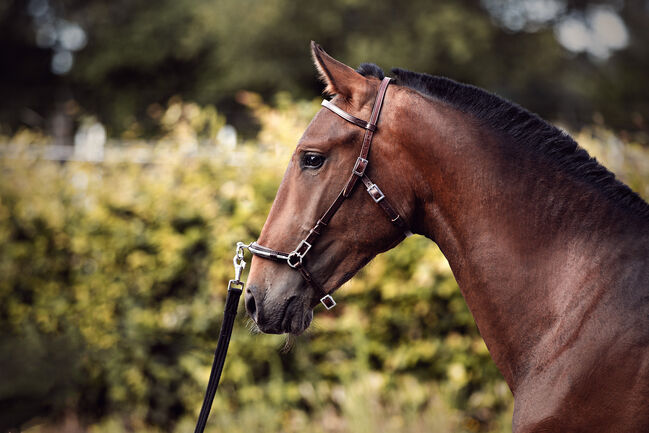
(515, 122)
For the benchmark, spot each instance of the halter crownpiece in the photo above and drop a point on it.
(295, 258)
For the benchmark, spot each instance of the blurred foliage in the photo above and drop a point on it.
(113, 283)
(208, 50)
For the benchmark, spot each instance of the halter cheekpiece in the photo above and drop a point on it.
(296, 257)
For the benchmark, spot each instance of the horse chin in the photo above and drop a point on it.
(297, 317)
(293, 317)
(299, 323)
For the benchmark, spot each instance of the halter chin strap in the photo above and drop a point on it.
(295, 258)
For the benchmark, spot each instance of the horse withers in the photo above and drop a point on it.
(550, 251)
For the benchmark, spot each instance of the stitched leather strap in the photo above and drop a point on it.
(361, 161)
(267, 253)
(348, 117)
(377, 195)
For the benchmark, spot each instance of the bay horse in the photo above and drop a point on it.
(550, 251)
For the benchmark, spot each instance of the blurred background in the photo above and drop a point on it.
(140, 140)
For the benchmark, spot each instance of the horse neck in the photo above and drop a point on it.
(520, 235)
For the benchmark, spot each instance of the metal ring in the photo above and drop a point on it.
(299, 262)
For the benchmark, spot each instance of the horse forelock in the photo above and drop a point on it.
(370, 70)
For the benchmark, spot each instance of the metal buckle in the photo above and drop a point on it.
(291, 257)
(308, 247)
(235, 285)
(328, 302)
(296, 253)
(360, 161)
(375, 192)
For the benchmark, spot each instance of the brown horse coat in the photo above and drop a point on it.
(550, 252)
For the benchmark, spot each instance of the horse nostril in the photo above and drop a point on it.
(251, 306)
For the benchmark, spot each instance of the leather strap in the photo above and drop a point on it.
(279, 256)
(348, 117)
(267, 253)
(295, 258)
(229, 314)
(361, 161)
(377, 195)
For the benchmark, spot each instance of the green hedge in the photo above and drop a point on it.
(112, 289)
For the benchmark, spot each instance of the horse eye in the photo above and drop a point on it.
(312, 160)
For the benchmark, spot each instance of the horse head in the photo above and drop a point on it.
(326, 168)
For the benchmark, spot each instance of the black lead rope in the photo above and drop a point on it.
(235, 288)
(294, 259)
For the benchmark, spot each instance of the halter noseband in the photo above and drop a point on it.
(295, 258)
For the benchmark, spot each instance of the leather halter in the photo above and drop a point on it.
(295, 258)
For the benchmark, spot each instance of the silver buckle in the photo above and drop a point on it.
(235, 284)
(308, 247)
(299, 256)
(328, 302)
(290, 258)
(359, 160)
(379, 194)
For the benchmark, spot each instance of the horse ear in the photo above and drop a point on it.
(339, 78)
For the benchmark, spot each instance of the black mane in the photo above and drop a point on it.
(522, 126)
(371, 70)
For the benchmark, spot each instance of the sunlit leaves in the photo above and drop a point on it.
(114, 276)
